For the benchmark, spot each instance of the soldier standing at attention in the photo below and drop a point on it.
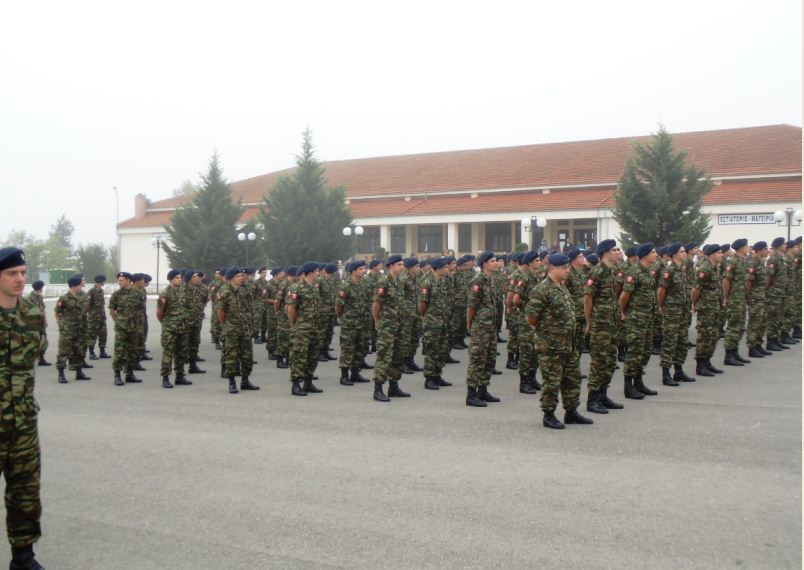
(329, 291)
(214, 323)
(498, 281)
(511, 312)
(282, 322)
(734, 277)
(193, 303)
(409, 351)
(601, 313)
(171, 312)
(370, 283)
(527, 348)
(21, 325)
(481, 322)
(304, 314)
(38, 299)
(707, 302)
(260, 285)
(792, 312)
(755, 284)
(236, 315)
(123, 306)
(409, 314)
(575, 283)
(432, 307)
(693, 253)
(387, 311)
(776, 294)
(551, 312)
(673, 297)
(638, 304)
(458, 327)
(96, 319)
(269, 300)
(70, 316)
(350, 307)
(655, 271)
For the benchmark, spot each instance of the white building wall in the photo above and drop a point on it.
(138, 254)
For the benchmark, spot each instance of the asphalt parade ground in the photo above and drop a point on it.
(705, 475)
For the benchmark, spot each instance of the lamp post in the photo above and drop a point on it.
(785, 218)
(156, 241)
(528, 225)
(245, 238)
(353, 230)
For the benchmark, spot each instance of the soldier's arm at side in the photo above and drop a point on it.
(292, 315)
(661, 296)
(338, 311)
(422, 308)
(375, 311)
(470, 316)
(625, 300)
(726, 290)
(222, 315)
(587, 312)
(696, 294)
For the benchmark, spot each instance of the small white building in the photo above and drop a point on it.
(478, 199)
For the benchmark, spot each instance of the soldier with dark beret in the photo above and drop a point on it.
(673, 297)
(792, 312)
(282, 322)
(370, 283)
(755, 288)
(776, 294)
(304, 313)
(70, 316)
(171, 311)
(236, 316)
(528, 357)
(387, 310)
(96, 319)
(351, 309)
(123, 306)
(328, 289)
(707, 301)
(269, 296)
(432, 309)
(481, 321)
(410, 285)
(734, 279)
(38, 299)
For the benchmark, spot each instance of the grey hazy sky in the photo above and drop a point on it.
(139, 95)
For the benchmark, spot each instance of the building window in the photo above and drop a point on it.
(369, 242)
(399, 235)
(431, 238)
(585, 238)
(498, 236)
(464, 238)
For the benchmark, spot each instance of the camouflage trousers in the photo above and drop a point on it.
(353, 345)
(373, 334)
(259, 318)
(458, 325)
(305, 346)
(792, 310)
(329, 330)
(560, 374)
(707, 332)
(415, 337)
(125, 348)
(775, 315)
(388, 365)
(96, 332)
(407, 333)
(45, 343)
(512, 322)
(639, 338)
(528, 355)
(622, 334)
(141, 325)
(675, 336)
(70, 348)
(603, 355)
(436, 343)
(20, 464)
(657, 326)
(482, 353)
(735, 323)
(500, 311)
(193, 333)
(215, 325)
(270, 329)
(174, 351)
(237, 356)
(755, 331)
(282, 334)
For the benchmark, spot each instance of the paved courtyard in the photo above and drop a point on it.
(706, 475)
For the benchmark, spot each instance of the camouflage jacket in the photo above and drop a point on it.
(481, 299)
(21, 343)
(575, 283)
(351, 296)
(600, 285)
(96, 303)
(126, 302)
(433, 294)
(235, 303)
(391, 296)
(674, 281)
(640, 283)
(756, 275)
(307, 300)
(554, 309)
(708, 281)
(69, 311)
(734, 271)
(172, 302)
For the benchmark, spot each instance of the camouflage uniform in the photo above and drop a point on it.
(483, 348)
(675, 330)
(282, 322)
(575, 283)
(126, 302)
(83, 300)
(214, 322)
(38, 299)
(756, 275)
(174, 305)
(71, 317)
(353, 324)
(709, 308)
(96, 320)
(792, 310)
(269, 296)
(193, 301)
(600, 285)
(528, 356)
(327, 290)
(512, 315)
(238, 354)
(776, 294)
(370, 283)
(734, 271)
(460, 297)
(306, 333)
(21, 345)
(390, 295)
(640, 284)
(409, 314)
(141, 320)
(259, 326)
(435, 335)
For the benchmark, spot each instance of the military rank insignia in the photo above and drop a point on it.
(475, 288)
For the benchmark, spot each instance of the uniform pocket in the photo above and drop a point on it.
(24, 349)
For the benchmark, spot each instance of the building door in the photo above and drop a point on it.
(563, 235)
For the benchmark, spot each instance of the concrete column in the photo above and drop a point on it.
(452, 237)
(385, 237)
(410, 246)
(476, 237)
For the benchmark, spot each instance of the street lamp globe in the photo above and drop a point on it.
(154, 241)
(252, 236)
(797, 215)
(541, 222)
(347, 231)
(778, 215)
(241, 236)
(526, 223)
(359, 230)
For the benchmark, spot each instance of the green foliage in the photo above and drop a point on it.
(186, 187)
(202, 233)
(92, 260)
(656, 188)
(35, 251)
(112, 263)
(302, 218)
(380, 253)
(521, 246)
(61, 233)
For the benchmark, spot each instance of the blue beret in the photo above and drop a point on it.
(232, 271)
(644, 249)
(737, 244)
(249, 270)
(798, 239)
(148, 278)
(138, 276)
(673, 248)
(543, 254)
(261, 269)
(411, 262)
(515, 257)
(529, 256)
(760, 245)
(171, 274)
(374, 263)
(605, 246)
(438, 263)
(308, 267)
(330, 268)
(558, 260)
(472, 257)
(725, 247)
(778, 242)
(631, 251)
(424, 262)
(125, 274)
(11, 257)
(573, 253)
(484, 257)
(277, 270)
(499, 257)
(293, 270)
(593, 259)
(792, 243)
(37, 285)
(73, 281)
(188, 275)
(357, 264)
(395, 258)
(711, 248)
(690, 245)
(100, 278)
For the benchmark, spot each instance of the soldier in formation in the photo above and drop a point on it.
(96, 319)
(304, 314)
(37, 298)
(351, 309)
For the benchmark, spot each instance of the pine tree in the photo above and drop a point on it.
(655, 190)
(202, 233)
(92, 260)
(302, 218)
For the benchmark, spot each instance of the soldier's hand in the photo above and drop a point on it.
(692, 309)
(587, 329)
(622, 317)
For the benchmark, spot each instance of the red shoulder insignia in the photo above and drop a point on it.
(294, 295)
(729, 268)
(590, 282)
(342, 294)
(619, 274)
(475, 288)
(750, 270)
(666, 275)
(701, 275)
(425, 291)
(380, 291)
(629, 279)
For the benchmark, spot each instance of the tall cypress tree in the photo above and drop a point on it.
(302, 218)
(202, 233)
(656, 188)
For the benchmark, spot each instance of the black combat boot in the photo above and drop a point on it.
(593, 403)
(166, 382)
(457, 344)
(22, 558)
(630, 391)
(413, 366)
(551, 421)
(144, 356)
(43, 362)
(233, 385)
(524, 385)
(511, 363)
(92, 355)
(296, 389)
(322, 357)
(372, 348)
(329, 356)
(394, 391)
(607, 402)
(130, 378)
(711, 367)
(405, 368)
(379, 395)
(574, 417)
(657, 345)
(639, 386)
(701, 369)
(787, 339)
(138, 367)
(62, 377)
(796, 332)
(754, 352)
(534, 382)
(587, 344)
(118, 381)
(103, 353)
(311, 388)
(85, 365)
(223, 371)
(772, 345)
(181, 379)
(451, 360)
(356, 376)
(736, 354)
(472, 399)
(199, 359)
(194, 369)
(484, 394)
(282, 362)
(271, 355)
(668, 380)
(441, 382)
(258, 339)
(430, 383)
(680, 375)
(217, 343)
(365, 365)
(621, 352)
(245, 384)
(500, 339)
(79, 375)
(345, 377)
(762, 350)
(730, 359)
